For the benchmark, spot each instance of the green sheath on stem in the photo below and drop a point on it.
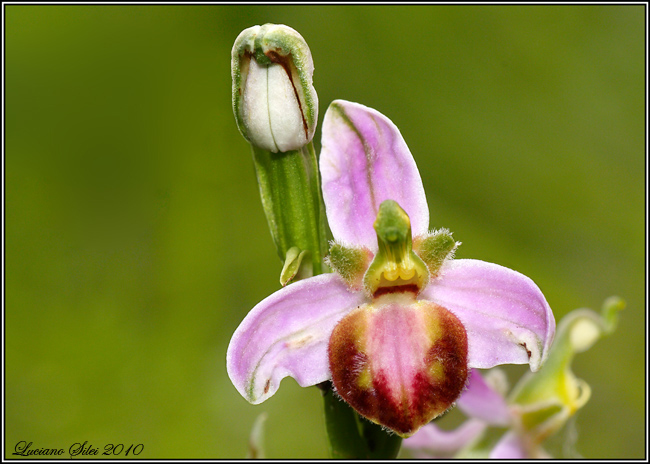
(291, 197)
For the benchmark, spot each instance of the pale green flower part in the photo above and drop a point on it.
(292, 264)
(543, 403)
(274, 101)
(256, 440)
(537, 407)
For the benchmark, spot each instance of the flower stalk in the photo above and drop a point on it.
(276, 110)
(352, 437)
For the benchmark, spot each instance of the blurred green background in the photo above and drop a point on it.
(136, 242)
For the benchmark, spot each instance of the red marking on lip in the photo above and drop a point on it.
(397, 289)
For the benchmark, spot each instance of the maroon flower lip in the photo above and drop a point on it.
(399, 363)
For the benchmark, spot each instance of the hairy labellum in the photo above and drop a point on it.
(398, 361)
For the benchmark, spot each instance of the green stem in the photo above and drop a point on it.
(291, 197)
(352, 437)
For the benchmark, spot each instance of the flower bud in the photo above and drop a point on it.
(543, 402)
(274, 101)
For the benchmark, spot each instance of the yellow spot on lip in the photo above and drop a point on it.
(365, 380)
(437, 371)
(384, 282)
(406, 274)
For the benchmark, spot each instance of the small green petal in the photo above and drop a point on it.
(435, 248)
(350, 263)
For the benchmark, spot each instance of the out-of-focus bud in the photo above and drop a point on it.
(543, 402)
(256, 440)
(274, 101)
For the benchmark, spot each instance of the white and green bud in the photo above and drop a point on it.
(274, 101)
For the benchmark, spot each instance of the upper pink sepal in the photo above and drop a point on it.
(364, 161)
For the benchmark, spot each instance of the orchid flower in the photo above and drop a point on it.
(399, 324)
(537, 407)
